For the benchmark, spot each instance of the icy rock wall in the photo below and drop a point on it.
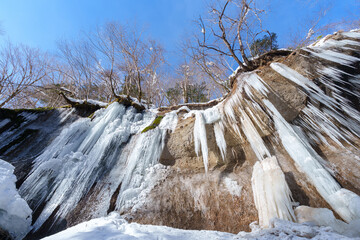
(15, 213)
(109, 158)
(344, 202)
(88, 152)
(271, 193)
(330, 114)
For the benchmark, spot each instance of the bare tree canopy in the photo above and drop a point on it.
(225, 35)
(110, 61)
(21, 67)
(232, 26)
(314, 27)
(117, 59)
(127, 61)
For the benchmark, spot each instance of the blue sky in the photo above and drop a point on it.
(40, 23)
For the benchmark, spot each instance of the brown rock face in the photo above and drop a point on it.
(323, 118)
(200, 201)
(192, 199)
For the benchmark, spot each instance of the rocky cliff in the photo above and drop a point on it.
(283, 143)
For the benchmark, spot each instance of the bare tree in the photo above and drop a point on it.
(225, 37)
(130, 55)
(141, 59)
(213, 65)
(231, 24)
(108, 56)
(188, 84)
(314, 28)
(79, 67)
(186, 73)
(128, 62)
(21, 67)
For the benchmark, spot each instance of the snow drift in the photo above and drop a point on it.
(15, 213)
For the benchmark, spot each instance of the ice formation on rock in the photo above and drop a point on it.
(325, 217)
(233, 187)
(203, 117)
(253, 136)
(220, 139)
(342, 201)
(324, 122)
(109, 158)
(15, 213)
(200, 139)
(272, 195)
(234, 113)
(88, 152)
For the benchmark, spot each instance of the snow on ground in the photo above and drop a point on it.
(114, 227)
(15, 214)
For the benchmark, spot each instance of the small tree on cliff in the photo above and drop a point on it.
(225, 36)
(232, 26)
(265, 44)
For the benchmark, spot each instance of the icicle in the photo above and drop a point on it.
(324, 121)
(344, 202)
(144, 154)
(272, 195)
(249, 82)
(77, 158)
(169, 121)
(335, 57)
(220, 139)
(200, 139)
(254, 138)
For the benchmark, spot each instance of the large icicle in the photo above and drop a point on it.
(250, 82)
(200, 139)
(220, 139)
(254, 138)
(324, 121)
(272, 195)
(344, 202)
(77, 158)
(144, 154)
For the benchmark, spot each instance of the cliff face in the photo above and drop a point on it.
(302, 109)
(287, 135)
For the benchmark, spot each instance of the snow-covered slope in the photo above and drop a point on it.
(114, 227)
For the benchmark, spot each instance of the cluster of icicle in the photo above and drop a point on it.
(271, 193)
(109, 151)
(106, 152)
